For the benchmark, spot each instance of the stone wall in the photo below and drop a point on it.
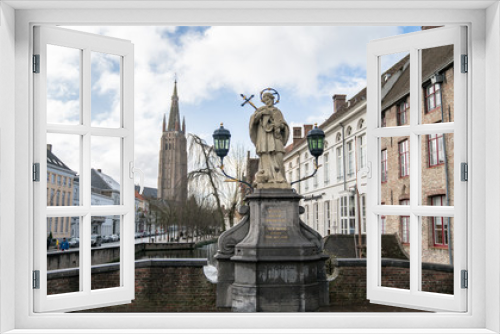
(349, 286)
(179, 285)
(105, 254)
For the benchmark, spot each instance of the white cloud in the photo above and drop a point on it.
(308, 61)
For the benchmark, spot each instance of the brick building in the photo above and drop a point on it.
(335, 201)
(59, 193)
(437, 162)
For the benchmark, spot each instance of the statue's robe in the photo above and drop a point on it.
(269, 132)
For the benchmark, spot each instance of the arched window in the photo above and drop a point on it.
(361, 124)
(339, 137)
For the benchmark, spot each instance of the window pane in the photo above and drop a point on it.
(63, 85)
(63, 165)
(395, 170)
(437, 83)
(395, 254)
(106, 90)
(106, 251)
(63, 255)
(395, 86)
(106, 170)
(437, 172)
(437, 255)
(339, 163)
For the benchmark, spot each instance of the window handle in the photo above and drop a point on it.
(368, 169)
(133, 171)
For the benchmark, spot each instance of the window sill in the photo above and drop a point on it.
(436, 165)
(440, 247)
(427, 112)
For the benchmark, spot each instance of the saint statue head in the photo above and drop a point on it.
(268, 99)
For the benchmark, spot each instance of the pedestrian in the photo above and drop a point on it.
(57, 244)
(64, 245)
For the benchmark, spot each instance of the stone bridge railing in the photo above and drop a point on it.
(179, 285)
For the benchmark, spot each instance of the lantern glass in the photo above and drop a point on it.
(321, 143)
(221, 138)
(315, 141)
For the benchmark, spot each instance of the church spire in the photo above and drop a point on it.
(174, 116)
(164, 123)
(183, 124)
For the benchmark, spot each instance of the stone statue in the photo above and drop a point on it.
(269, 132)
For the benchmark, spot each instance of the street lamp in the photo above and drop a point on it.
(316, 146)
(222, 138)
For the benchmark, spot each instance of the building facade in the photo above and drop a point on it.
(437, 158)
(332, 196)
(60, 184)
(335, 198)
(172, 162)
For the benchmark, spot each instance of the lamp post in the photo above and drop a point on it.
(222, 139)
(316, 146)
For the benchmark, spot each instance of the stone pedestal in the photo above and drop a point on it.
(271, 261)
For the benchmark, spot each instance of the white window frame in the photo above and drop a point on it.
(326, 168)
(417, 210)
(362, 151)
(327, 224)
(85, 297)
(339, 157)
(351, 168)
(484, 301)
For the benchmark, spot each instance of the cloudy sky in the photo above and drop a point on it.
(214, 65)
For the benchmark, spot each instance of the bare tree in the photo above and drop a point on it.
(204, 175)
(236, 167)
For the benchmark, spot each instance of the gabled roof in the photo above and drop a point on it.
(139, 196)
(148, 192)
(102, 181)
(433, 60)
(55, 162)
(353, 102)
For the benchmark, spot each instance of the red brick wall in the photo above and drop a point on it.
(349, 288)
(167, 287)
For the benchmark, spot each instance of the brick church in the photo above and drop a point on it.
(172, 164)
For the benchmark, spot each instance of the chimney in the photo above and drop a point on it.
(338, 101)
(49, 147)
(297, 134)
(99, 170)
(307, 128)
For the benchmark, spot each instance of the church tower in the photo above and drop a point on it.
(172, 166)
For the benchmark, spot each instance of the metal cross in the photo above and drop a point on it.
(247, 100)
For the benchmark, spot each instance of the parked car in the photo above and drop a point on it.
(137, 235)
(107, 238)
(74, 242)
(95, 241)
(114, 237)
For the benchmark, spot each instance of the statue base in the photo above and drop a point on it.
(271, 261)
